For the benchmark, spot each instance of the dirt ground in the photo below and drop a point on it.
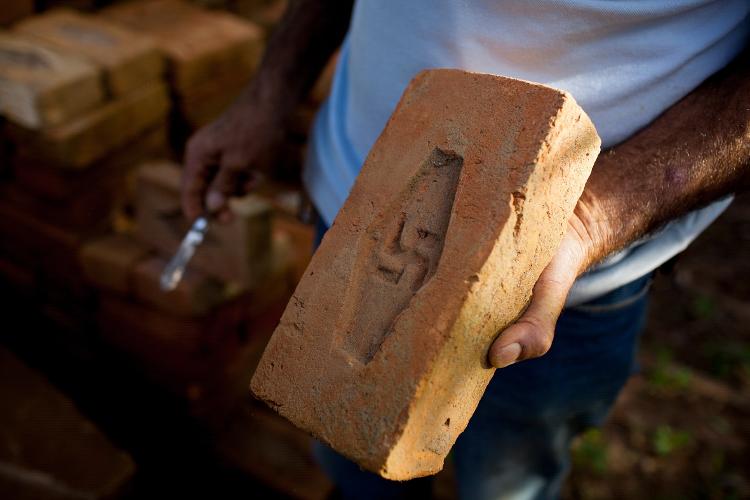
(681, 428)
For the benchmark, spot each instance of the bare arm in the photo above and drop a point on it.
(694, 153)
(219, 155)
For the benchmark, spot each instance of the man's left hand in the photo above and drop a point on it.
(531, 335)
(679, 162)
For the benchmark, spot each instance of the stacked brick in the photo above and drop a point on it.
(204, 337)
(86, 101)
(89, 210)
(233, 259)
(211, 55)
(265, 13)
(48, 449)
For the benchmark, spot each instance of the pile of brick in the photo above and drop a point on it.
(211, 55)
(89, 209)
(86, 233)
(265, 13)
(84, 101)
(78, 89)
(48, 449)
(241, 271)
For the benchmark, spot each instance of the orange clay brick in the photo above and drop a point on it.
(48, 448)
(109, 261)
(461, 203)
(53, 182)
(196, 294)
(198, 44)
(43, 86)
(128, 60)
(81, 142)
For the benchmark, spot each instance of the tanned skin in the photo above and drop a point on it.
(695, 152)
(220, 156)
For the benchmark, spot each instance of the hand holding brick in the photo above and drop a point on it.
(460, 205)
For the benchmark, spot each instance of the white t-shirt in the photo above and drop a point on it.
(624, 61)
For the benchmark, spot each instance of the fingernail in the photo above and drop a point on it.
(214, 201)
(507, 355)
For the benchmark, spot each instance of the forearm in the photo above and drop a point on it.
(696, 152)
(307, 36)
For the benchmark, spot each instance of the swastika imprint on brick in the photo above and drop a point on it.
(398, 255)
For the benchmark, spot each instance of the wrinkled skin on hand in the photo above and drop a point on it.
(531, 335)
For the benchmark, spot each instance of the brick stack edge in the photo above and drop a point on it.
(86, 119)
(459, 206)
(48, 449)
(85, 113)
(211, 55)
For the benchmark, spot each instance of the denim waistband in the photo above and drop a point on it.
(619, 297)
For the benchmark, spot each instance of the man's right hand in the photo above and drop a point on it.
(220, 156)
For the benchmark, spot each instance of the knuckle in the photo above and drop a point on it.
(235, 161)
(194, 145)
(538, 339)
(227, 174)
(199, 143)
(542, 342)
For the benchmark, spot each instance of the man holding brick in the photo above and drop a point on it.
(667, 86)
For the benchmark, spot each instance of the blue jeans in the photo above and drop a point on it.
(516, 445)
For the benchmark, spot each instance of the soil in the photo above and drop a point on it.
(681, 428)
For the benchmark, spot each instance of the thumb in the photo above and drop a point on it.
(531, 335)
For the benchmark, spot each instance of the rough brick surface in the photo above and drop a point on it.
(265, 13)
(87, 214)
(47, 448)
(34, 241)
(56, 183)
(198, 44)
(196, 294)
(81, 142)
(127, 59)
(460, 204)
(218, 349)
(108, 262)
(42, 86)
(237, 252)
(208, 100)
